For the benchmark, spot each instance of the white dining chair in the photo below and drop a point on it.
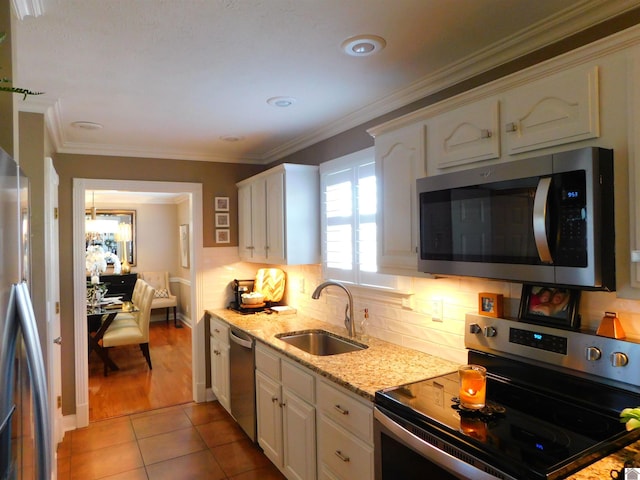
(163, 297)
(136, 333)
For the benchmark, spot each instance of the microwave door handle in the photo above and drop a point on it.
(540, 220)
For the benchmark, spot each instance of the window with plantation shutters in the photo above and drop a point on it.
(348, 189)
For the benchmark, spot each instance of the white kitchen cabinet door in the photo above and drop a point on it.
(555, 110)
(220, 372)
(299, 428)
(245, 236)
(274, 228)
(465, 135)
(251, 221)
(269, 418)
(342, 454)
(400, 161)
(279, 216)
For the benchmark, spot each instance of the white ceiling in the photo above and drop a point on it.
(169, 78)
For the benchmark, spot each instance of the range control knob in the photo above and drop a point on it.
(619, 359)
(474, 328)
(490, 332)
(593, 354)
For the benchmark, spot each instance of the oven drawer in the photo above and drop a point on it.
(343, 454)
(346, 411)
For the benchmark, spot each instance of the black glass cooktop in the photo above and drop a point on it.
(528, 433)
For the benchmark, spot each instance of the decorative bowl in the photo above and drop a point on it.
(253, 298)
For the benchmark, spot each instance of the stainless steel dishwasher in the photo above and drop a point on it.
(243, 381)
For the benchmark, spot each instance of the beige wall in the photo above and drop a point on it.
(6, 99)
(217, 179)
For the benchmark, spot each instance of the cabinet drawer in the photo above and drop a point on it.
(267, 362)
(219, 331)
(342, 453)
(298, 381)
(346, 411)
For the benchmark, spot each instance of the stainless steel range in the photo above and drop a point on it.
(553, 403)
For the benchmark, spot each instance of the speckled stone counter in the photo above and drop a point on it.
(382, 365)
(602, 468)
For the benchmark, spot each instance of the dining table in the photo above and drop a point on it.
(99, 318)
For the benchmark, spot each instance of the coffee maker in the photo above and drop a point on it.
(240, 287)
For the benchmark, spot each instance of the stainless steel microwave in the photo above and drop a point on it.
(543, 220)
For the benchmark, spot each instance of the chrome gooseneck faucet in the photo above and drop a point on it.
(348, 311)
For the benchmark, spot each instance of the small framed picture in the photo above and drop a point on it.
(490, 304)
(222, 235)
(221, 204)
(222, 220)
(555, 306)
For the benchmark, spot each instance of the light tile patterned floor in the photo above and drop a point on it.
(191, 441)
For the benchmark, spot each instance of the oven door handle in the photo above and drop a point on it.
(430, 452)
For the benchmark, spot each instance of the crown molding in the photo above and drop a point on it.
(553, 29)
(25, 8)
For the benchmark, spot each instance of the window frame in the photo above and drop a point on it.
(348, 166)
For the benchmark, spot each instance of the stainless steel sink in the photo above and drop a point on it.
(320, 342)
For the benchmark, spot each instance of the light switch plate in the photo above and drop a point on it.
(436, 309)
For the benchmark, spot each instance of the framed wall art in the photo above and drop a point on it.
(222, 235)
(222, 220)
(184, 246)
(221, 204)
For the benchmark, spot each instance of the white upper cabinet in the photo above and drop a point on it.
(467, 134)
(558, 109)
(279, 216)
(400, 160)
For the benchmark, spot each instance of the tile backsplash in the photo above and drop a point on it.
(429, 319)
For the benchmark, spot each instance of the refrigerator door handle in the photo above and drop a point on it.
(7, 419)
(38, 377)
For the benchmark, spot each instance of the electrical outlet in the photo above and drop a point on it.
(301, 286)
(437, 309)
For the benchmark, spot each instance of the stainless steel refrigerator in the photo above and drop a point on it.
(25, 451)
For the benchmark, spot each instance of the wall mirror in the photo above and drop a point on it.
(105, 227)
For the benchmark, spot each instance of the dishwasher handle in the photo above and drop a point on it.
(241, 339)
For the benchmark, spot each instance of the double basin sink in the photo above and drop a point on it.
(320, 342)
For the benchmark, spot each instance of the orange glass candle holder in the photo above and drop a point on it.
(473, 386)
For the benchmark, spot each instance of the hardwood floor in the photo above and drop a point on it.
(134, 388)
(191, 441)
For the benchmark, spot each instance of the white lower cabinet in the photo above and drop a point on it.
(286, 414)
(219, 342)
(307, 424)
(345, 434)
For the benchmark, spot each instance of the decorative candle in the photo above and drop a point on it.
(473, 386)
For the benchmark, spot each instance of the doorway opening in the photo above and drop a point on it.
(194, 194)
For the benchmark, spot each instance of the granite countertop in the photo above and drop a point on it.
(382, 365)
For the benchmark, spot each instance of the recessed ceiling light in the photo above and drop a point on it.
(87, 125)
(282, 102)
(363, 45)
(232, 138)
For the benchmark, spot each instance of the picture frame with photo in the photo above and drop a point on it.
(490, 304)
(223, 235)
(550, 305)
(221, 204)
(222, 220)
